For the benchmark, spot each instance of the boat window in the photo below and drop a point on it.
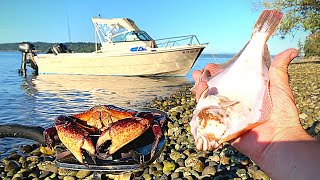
(132, 36)
(129, 36)
(143, 36)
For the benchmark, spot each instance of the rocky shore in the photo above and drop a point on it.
(180, 160)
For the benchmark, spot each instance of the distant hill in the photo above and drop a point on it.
(81, 47)
(44, 47)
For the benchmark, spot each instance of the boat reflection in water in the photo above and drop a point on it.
(117, 90)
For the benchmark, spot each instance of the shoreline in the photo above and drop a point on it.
(180, 159)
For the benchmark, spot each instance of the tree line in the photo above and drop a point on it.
(300, 15)
(45, 47)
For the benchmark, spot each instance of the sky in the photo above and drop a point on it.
(226, 25)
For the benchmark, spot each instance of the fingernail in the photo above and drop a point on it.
(293, 55)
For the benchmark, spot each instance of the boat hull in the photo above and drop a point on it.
(175, 61)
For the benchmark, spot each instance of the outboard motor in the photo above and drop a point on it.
(59, 48)
(28, 54)
(26, 47)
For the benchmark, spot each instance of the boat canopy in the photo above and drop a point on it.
(121, 22)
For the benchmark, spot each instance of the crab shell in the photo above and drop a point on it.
(74, 137)
(99, 117)
(124, 131)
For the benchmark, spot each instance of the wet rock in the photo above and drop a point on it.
(44, 174)
(48, 166)
(175, 175)
(12, 165)
(260, 175)
(69, 178)
(168, 166)
(66, 172)
(147, 176)
(242, 173)
(174, 155)
(33, 158)
(14, 156)
(26, 148)
(209, 170)
(224, 160)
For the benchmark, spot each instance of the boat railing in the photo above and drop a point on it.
(176, 41)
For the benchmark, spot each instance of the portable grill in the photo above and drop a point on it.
(133, 157)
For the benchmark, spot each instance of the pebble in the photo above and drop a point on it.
(168, 166)
(260, 175)
(180, 160)
(209, 170)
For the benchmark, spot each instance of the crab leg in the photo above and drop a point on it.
(74, 138)
(124, 131)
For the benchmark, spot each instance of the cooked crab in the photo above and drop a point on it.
(120, 126)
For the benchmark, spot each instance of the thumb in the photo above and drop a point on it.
(278, 73)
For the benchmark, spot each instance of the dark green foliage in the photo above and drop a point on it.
(44, 47)
(300, 15)
(312, 45)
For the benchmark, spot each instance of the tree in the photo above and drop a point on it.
(300, 15)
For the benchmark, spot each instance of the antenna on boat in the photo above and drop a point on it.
(69, 34)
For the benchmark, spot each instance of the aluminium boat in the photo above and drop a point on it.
(124, 50)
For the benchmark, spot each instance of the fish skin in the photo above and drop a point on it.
(237, 98)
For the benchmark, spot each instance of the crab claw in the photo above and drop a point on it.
(122, 132)
(74, 138)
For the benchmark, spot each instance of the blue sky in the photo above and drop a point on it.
(226, 25)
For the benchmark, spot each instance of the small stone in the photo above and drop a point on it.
(68, 178)
(14, 156)
(195, 174)
(33, 158)
(260, 175)
(159, 166)
(214, 157)
(199, 166)
(11, 172)
(12, 165)
(303, 116)
(175, 175)
(17, 176)
(242, 173)
(209, 170)
(168, 166)
(191, 161)
(180, 162)
(174, 155)
(244, 161)
(44, 174)
(164, 177)
(189, 177)
(48, 166)
(36, 152)
(26, 148)
(147, 176)
(82, 174)
(224, 160)
(252, 169)
(66, 172)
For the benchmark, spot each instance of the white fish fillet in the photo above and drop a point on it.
(238, 96)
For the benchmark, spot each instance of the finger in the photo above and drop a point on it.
(212, 69)
(284, 58)
(201, 88)
(278, 73)
(196, 75)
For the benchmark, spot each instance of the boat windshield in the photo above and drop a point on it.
(131, 36)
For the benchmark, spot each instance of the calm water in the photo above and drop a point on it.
(37, 100)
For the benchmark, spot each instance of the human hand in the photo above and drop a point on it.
(284, 120)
